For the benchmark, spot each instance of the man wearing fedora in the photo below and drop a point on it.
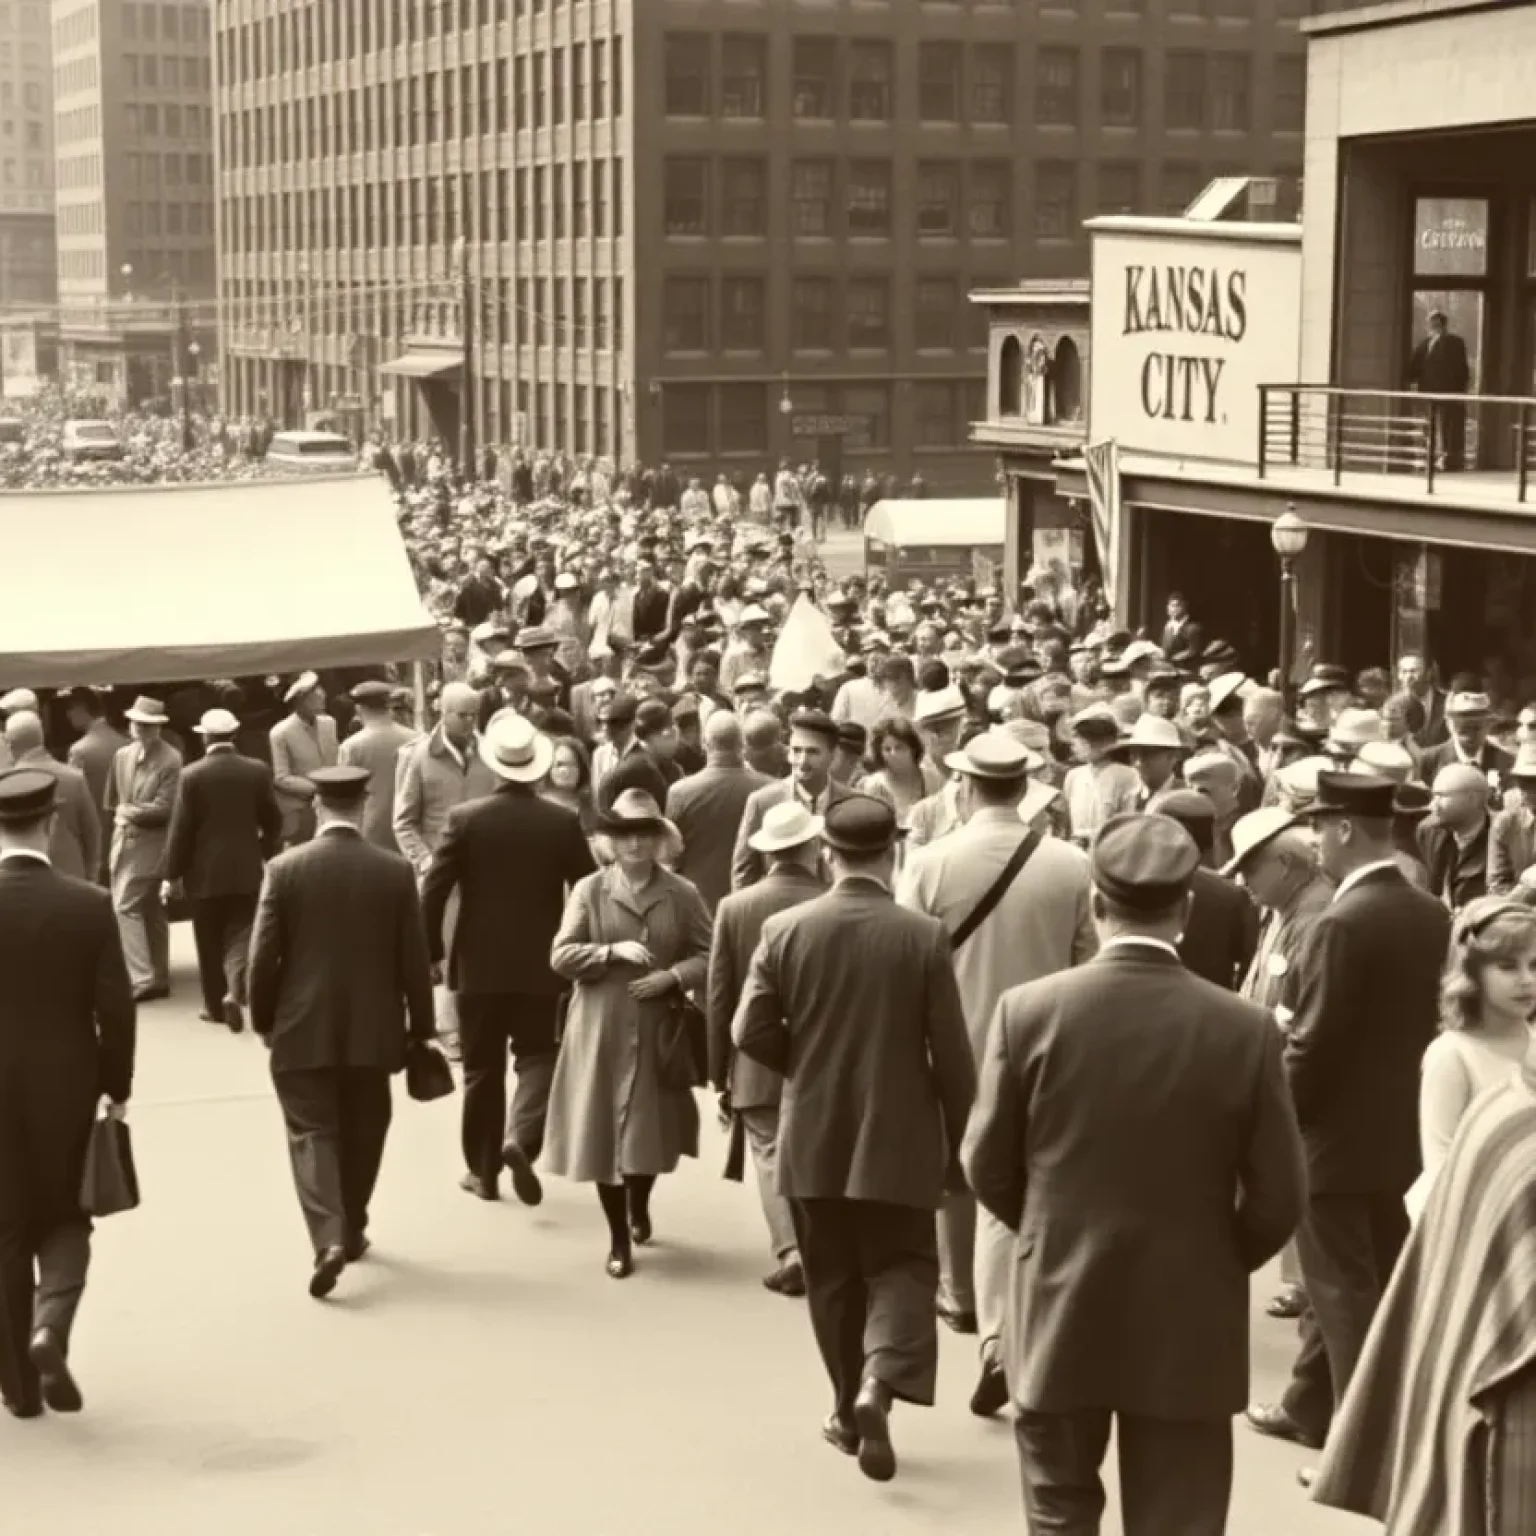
(141, 794)
(1512, 838)
(1155, 748)
(1015, 906)
(512, 858)
(1469, 717)
(339, 980)
(789, 839)
(1132, 1127)
(854, 999)
(302, 741)
(1364, 1003)
(225, 828)
(376, 745)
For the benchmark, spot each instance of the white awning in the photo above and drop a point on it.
(902, 523)
(425, 364)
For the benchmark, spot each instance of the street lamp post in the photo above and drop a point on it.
(1288, 536)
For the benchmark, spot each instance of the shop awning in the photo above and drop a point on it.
(172, 583)
(425, 365)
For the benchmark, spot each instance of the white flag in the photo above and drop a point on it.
(805, 649)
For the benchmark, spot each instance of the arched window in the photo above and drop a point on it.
(1010, 378)
(1067, 381)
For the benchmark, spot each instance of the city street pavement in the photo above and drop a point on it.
(478, 1373)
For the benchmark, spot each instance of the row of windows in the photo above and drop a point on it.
(173, 23)
(151, 120)
(75, 75)
(32, 133)
(37, 173)
(80, 219)
(78, 171)
(76, 124)
(167, 218)
(81, 265)
(170, 170)
(75, 28)
(31, 55)
(167, 71)
(31, 95)
(154, 267)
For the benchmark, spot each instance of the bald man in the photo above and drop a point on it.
(764, 743)
(1453, 838)
(74, 845)
(707, 807)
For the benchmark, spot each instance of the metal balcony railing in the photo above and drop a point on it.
(1444, 442)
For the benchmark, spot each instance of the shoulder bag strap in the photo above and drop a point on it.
(996, 891)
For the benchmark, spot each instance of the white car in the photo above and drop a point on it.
(84, 440)
(305, 453)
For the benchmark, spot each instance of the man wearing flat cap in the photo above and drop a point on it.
(302, 741)
(377, 746)
(1132, 1128)
(1364, 1004)
(339, 980)
(854, 999)
(66, 1043)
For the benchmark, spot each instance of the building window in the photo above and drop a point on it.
(1119, 188)
(1180, 183)
(869, 313)
(1055, 200)
(991, 210)
(938, 82)
(744, 196)
(938, 197)
(1120, 88)
(685, 420)
(1290, 92)
(933, 414)
(1184, 91)
(870, 406)
(685, 197)
(743, 418)
(685, 314)
(869, 81)
(1230, 92)
(1056, 94)
(992, 83)
(742, 306)
(811, 197)
(815, 87)
(937, 304)
(743, 74)
(869, 197)
(687, 74)
(810, 320)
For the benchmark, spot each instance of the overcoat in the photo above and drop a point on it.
(377, 747)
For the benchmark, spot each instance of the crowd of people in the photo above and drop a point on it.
(1050, 979)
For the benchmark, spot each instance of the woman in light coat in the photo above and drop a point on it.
(634, 940)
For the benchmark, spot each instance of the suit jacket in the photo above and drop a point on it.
(747, 864)
(1490, 759)
(1457, 872)
(377, 747)
(76, 844)
(226, 826)
(141, 794)
(739, 923)
(1222, 932)
(92, 754)
(338, 966)
(1439, 365)
(297, 750)
(1186, 639)
(512, 857)
(1365, 1003)
(854, 999)
(1133, 1128)
(1511, 848)
(430, 783)
(706, 808)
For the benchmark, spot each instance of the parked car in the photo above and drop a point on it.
(305, 453)
(84, 440)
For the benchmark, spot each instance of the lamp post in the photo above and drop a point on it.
(467, 343)
(1288, 535)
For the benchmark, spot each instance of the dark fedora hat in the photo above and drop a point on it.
(860, 824)
(1366, 795)
(1411, 801)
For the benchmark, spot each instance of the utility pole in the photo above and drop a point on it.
(467, 370)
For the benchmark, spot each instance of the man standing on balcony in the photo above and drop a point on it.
(1439, 367)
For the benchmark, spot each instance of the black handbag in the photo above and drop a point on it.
(110, 1183)
(681, 1034)
(427, 1073)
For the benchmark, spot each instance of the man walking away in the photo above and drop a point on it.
(339, 979)
(76, 846)
(854, 1000)
(706, 808)
(377, 747)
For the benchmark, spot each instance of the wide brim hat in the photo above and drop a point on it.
(1152, 733)
(147, 711)
(636, 811)
(515, 750)
(304, 683)
(995, 755)
(217, 722)
(789, 825)
(1255, 831)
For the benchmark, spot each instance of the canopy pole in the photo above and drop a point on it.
(419, 688)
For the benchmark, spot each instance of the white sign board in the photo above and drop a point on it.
(1186, 326)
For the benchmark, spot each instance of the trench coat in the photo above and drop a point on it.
(609, 1114)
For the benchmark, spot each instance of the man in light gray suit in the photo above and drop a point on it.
(706, 808)
(74, 843)
(301, 743)
(1038, 922)
(377, 747)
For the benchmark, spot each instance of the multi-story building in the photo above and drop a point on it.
(133, 180)
(27, 274)
(711, 231)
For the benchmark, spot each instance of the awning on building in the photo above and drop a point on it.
(425, 364)
(170, 584)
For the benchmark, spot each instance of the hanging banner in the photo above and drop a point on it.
(1102, 463)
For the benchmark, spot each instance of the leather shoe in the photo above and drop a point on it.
(991, 1393)
(957, 1318)
(840, 1434)
(234, 1016)
(479, 1187)
(871, 1416)
(1306, 1476)
(787, 1280)
(329, 1263)
(525, 1182)
(1287, 1304)
(1273, 1420)
(356, 1246)
(31, 1408)
(151, 994)
(60, 1390)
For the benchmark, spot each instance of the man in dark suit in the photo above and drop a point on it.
(76, 848)
(1439, 366)
(1468, 717)
(1183, 639)
(66, 1042)
(854, 999)
(225, 827)
(339, 979)
(1453, 840)
(706, 808)
(1363, 1000)
(377, 746)
(1222, 930)
(1133, 1128)
(790, 840)
(512, 857)
(650, 765)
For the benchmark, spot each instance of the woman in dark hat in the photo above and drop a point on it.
(634, 940)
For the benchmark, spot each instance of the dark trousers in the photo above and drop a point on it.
(1451, 429)
(1347, 1245)
(872, 1282)
(221, 929)
(337, 1120)
(1175, 1474)
(492, 1025)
